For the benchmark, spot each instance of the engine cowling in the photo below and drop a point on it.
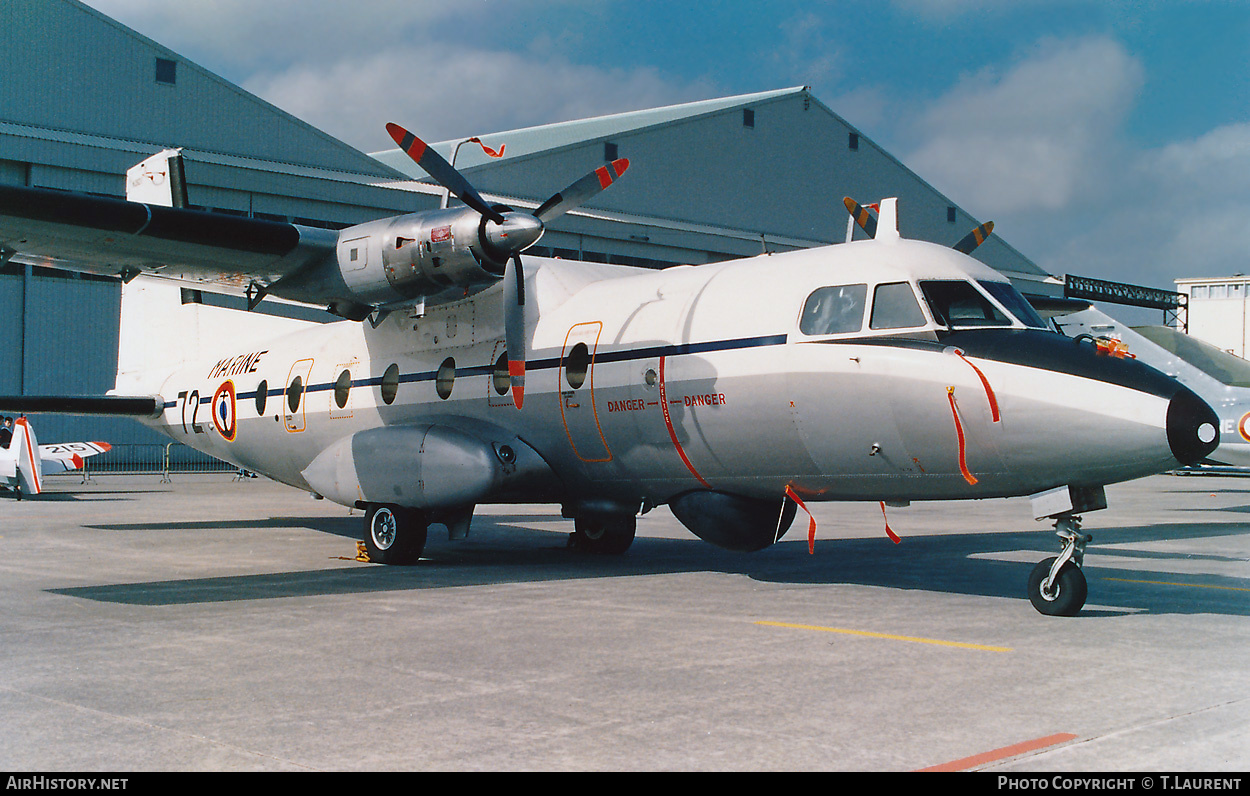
(733, 521)
(436, 255)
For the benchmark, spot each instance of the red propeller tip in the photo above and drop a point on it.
(408, 142)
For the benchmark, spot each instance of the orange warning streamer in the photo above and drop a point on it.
(888, 530)
(487, 149)
(811, 521)
(959, 430)
(989, 391)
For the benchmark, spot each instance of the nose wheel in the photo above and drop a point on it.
(1057, 586)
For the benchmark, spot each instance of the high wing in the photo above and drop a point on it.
(116, 237)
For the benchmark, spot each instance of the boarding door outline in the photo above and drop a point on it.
(578, 409)
(298, 420)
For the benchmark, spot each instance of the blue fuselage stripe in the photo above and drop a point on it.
(624, 355)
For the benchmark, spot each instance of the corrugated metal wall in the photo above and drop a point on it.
(58, 335)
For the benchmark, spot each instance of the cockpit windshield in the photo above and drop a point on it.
(956, 303)
(1016, 304)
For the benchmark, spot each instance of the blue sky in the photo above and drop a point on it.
(1107, 138)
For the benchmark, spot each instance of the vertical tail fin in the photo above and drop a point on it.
(159, 180)
(29, 475)
(163, 322)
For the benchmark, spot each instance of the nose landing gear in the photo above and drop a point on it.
(1057, 586)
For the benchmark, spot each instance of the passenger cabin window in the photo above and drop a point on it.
(294, 392)
(894, 306)
(390, 384)
(342, 388)
(957, 303)
(834, 310)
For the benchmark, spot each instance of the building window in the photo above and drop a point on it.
(166, 71)
(609, 151)
(748, 118)
(1236, 291)
(1199, 292)
(853, 141)
(950, 215)
(1219, 291)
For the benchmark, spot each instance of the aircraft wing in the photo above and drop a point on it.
(68, 455)
(116, 237)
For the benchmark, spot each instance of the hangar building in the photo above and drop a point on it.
(83, 98)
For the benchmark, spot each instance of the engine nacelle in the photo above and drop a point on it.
(732, 521)
(416, 255)
(429, 467)
(436, 255)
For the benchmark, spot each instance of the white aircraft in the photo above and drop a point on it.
(24, 462)
(1221, 379)
(884, 369)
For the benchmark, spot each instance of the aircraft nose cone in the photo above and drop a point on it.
(1192, 426)
(517, 233)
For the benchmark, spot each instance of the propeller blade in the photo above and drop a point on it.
(514, 326)
(582, 190)
(974, 238)
(442, 171)
(866, 220)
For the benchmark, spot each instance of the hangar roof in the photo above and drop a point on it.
(548, 137)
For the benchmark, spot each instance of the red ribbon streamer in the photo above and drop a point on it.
(959, 430)
(888, 530)
(811, 521)
(989, 391)
(488, 150)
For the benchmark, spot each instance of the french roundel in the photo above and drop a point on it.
(1241, 427)
(223, 411)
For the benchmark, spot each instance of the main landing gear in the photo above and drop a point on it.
(393, 534)
(1057, 585)
(603, 535)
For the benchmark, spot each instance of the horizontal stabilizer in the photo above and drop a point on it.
(119, 405)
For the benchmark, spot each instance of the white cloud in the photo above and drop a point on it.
(349, 68)
(443, 91)
(1036, 137)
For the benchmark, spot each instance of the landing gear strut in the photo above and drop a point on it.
(1057, 586)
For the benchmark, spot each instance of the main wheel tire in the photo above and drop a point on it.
(1067, 594)
(610, 537)
(394, 535)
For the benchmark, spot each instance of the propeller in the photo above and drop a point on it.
(866, 220)
(974, 238)
(505, 233)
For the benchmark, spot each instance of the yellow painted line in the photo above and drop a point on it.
(868, 634)
(1190, 585)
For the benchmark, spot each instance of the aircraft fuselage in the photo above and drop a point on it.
(644, 385)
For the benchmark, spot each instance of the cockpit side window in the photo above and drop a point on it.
(894, 306)
(1006, 294)
(834, 310)
(956, 303)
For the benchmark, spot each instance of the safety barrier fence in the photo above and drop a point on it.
(162, 459)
